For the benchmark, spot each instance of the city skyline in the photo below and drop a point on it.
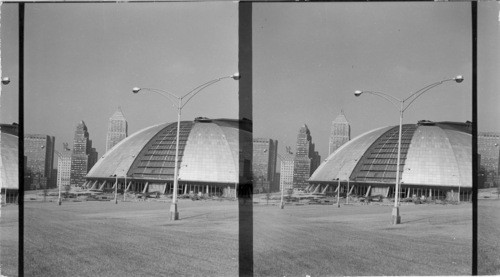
(324, 52)
(82, 61)
(328, 37)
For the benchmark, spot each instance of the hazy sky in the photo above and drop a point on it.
(309, 58)
(82, 60)
(488, 68)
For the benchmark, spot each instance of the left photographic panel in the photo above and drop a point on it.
(131, 136)
(9, 138)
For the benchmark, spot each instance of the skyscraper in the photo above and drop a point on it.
(286, 171)
(39, 151)
(117, 129)
(83, 156)
(265, 153)
(64, 167)
(488, 145)
(340, 133)
(306, 159)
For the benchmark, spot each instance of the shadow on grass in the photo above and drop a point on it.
(417, 220)
(195, 216)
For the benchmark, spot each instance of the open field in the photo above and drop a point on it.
(136, 239)
(359, 240)
(130, 239)
(488, 240)
(9, 240)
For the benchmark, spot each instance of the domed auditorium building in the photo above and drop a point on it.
(436, 162)
(214, 157)
(9, 165)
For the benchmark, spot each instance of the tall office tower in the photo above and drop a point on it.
(488, 146)
(39, 151)
(93, 156)
(315, 161)
(117, 129)
(64, 167)
(265, 152)
(81, 158)
(286, 171)
(340, 133)
(306, 159)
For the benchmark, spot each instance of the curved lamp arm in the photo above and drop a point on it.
(395, 101)
(423, 90)
(201, 87)
(163, 93)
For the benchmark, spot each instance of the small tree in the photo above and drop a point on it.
(45, 192)
(498, 190)
(289, 194)
(268, 196)
(66, 190)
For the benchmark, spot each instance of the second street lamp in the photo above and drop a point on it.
(402, 105)
(179, 102)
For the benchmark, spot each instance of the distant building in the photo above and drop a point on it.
(64, 168)
(286, 171)
(39, 151)
(340, 133)
(83, 156)
(306, 159)
(264, 164)
(117, 129)
(488, 147)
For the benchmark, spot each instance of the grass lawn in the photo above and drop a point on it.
(488, 240)
(137, 239)
(359, 240)
(130, 239)
(9, 240)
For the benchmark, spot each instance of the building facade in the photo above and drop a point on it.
(117, 129)
(39, 151)
(286, 172)
(83, 156)
(64, 168)
(264, 164)
(488, 147)
(340, 133)
(306, 159)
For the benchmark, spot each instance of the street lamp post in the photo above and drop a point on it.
(178, 103)
(402, 105)
(59, 200)
(338, 193)
(116, 188)
(124, 187)
(347, 192)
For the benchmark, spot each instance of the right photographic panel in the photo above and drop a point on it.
(488, 138)
(362, 138)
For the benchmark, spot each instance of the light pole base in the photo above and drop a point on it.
(396, 218)
(174, 213)
(282, 205)
(59, 201)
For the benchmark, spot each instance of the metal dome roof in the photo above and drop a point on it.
(208, 151)
(9, 166)
(432, 154)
